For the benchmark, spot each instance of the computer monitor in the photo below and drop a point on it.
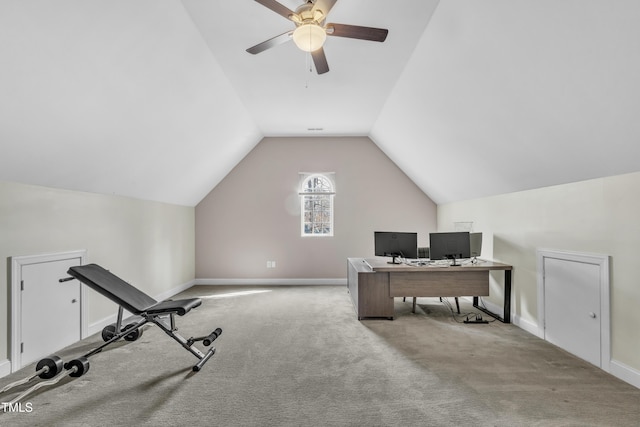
(396, 244)
(475, 243)
(451, 245)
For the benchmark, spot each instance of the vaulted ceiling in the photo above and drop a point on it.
(158, 99)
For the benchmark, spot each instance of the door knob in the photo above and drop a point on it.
(74, 301)
(592, 315)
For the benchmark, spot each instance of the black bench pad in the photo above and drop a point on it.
(180, 307)
(127, 295)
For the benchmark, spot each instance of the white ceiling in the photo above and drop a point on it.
(283, 96)
(158, 100)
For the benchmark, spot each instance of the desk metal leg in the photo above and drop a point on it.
(507, 300)
(507, 296)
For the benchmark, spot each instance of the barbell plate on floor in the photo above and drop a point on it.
(133, 335)
(108, 332)
(81, 364)
(74, 368)
(53, 364)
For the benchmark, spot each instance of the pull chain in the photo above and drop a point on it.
(306, 85)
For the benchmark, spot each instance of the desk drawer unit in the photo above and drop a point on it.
(438, 283)
(369, 291)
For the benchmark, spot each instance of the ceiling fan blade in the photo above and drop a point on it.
(324, 5)
(278, 8)
(357, 32)
(320, 61)
(272, 42)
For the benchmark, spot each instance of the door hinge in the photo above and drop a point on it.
(22, 285)
(21, 347)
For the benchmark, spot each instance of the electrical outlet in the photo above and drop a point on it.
(271, 264)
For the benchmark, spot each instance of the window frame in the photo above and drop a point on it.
(328, 195)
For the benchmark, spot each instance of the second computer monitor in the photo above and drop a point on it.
(475, 244)
(450, 245)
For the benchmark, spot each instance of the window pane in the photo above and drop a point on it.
(317, 208)
(317, 184)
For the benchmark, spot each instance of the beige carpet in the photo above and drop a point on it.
(297, 356)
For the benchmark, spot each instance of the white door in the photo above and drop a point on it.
(572, 307)
(50, 316)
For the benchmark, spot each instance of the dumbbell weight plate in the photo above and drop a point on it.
(82, 365)
(108, 332)
(55, 365)
(133, 335)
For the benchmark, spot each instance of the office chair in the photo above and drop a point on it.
(423, 253)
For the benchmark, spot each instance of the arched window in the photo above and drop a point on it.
(316, 203)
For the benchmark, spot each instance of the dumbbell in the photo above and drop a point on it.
(46, 368)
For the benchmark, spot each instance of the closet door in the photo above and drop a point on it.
(574, 303)
(50, 318)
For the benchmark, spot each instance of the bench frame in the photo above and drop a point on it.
(140, 304)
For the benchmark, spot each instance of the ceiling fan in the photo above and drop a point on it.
(311, 30)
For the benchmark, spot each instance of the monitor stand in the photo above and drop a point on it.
(393, 261)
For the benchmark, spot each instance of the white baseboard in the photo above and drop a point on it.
(625, 373)
(528, 326)
(96, 327)
(171, 292)
(271, 282)
(617, 369)
(5, 367)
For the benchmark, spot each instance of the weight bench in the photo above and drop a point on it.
(138, 303)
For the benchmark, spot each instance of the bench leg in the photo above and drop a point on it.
(188, 344)
(202, 361)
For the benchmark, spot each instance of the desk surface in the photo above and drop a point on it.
(381, 264)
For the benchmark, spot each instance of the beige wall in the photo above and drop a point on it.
(596, 216)
(149, 244)
(253, 215)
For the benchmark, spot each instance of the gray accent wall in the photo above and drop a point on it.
(253, 215)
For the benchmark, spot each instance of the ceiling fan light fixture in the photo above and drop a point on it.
(309, 37)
